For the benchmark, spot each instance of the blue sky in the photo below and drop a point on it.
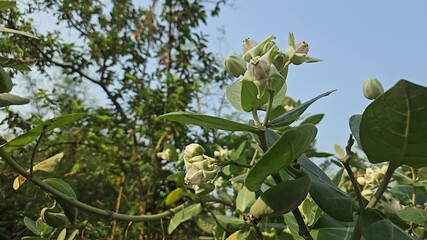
(385, 39)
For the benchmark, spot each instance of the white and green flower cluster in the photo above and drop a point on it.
(201, 170)
(263, 62)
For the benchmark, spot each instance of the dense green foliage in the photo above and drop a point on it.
(127, 165)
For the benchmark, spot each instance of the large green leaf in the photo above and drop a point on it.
(282, 198)
(7, 99)
(183, 215)
(332, 233)
(403, 193)
(249, 98)
(48, 125)
(175, 196)
(413, 214)
(375, 226)
(326, 194)
(284, 151)
(208, 121)
(393, 127)
(294, 114)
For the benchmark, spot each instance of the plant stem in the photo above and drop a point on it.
(80, 205)
(414, 189)
(345, 162)
(302, 228)
(255, 117)
(271, 93)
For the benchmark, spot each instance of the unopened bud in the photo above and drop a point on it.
(193, 150)
(248, 44)
(235, 65)
(194, 176)
(372, 88)
(301, 47)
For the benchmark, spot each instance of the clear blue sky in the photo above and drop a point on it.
(386, 39)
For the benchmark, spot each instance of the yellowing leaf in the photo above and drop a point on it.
(47, 165)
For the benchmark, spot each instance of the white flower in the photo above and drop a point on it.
(194, 176)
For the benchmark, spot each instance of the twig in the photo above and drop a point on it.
(302, 228)
(345, 162)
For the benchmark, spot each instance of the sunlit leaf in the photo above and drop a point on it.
(244, 200)
(294, 114)
(4, 5)
(9, 30)
(175, 196)
(183, 215)
(48, 125)
(208, 121)
(284, 151)
(393, 127)
(7, 99)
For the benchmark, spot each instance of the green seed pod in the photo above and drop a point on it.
(282, 198)
(235, 65)
(372, 88)
(5, 81)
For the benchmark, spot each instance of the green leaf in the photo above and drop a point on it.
(279, 95)
(249, 98)
(294, 114)
(234, 93)
(326, 194)
(282, 198)
(355, 126)
(65, 188)
(178, 178)
(284, 151)
(338, 176)
(332, 233)
(184, 215)
(244, 200)
(48, 125)
(175, 196)
(208, 121)
(62, 234)
(413, 214)
(230, 223)
(9, 30)
(34, 238)
(403, 193)
(7, 99)
(31, 225)
(393, 127)
(73, 235)
(314, 119)
(374, 226)
(205, 222)
(4, 5)
(5, 81)
(293, 226)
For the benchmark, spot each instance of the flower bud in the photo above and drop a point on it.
(248, 44)
(372, 88)
(235, 65)
(194, 176)
(301, 47)
(193, 150)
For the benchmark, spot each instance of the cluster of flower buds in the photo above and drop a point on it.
(372, 88)
(263, 62)
(201, 170)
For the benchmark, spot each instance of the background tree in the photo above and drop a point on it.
(127, 64)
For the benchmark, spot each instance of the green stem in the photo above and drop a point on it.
(414, 193)
(255, 116)
(80, 205)
(271, 93)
